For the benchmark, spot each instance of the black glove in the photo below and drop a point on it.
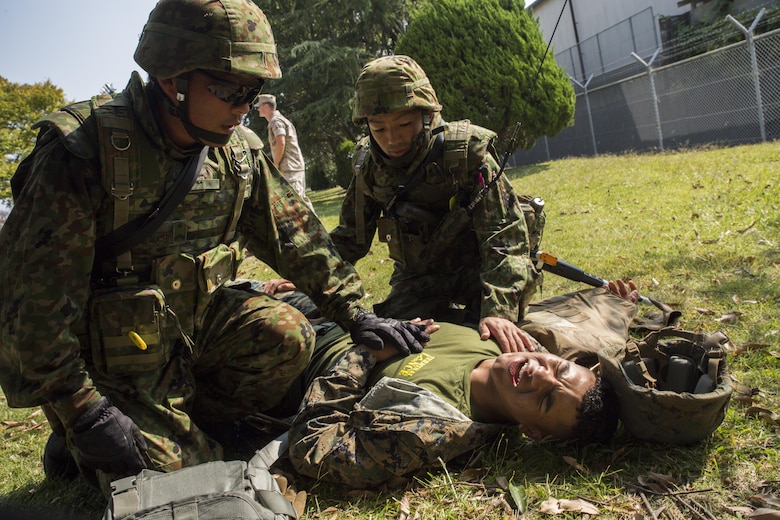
(108, 440)
(372, 331)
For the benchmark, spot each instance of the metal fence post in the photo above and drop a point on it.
(547, 148)
(648, 66)
(590, 115)
(754, 66)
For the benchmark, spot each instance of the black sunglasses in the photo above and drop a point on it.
(233, 93)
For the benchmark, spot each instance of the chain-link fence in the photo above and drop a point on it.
(606, 54)
(728, 96)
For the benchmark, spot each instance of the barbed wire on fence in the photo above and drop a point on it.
(727, 96)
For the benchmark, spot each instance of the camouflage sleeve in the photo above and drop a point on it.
(504, 250)
(336, 439)
(280, 230)
(345, 235)
(48, 248)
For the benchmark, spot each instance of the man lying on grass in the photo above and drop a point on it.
(371, 416)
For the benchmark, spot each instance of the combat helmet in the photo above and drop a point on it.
(226, 35)
(392, 84)
(231, 36)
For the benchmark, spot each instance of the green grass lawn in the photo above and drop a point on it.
(699, 230)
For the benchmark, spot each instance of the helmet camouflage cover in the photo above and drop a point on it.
(225, 35)
(392, 84)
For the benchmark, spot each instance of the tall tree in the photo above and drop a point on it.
(322, 46)
(20, 107)
(482, 57)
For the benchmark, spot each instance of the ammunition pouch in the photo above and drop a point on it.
(535, 219)
(406, 230)
(405, 248)
(134, 329)
(128, 330)
(215, 267)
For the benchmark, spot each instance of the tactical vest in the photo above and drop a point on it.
(458, 162)
(159, 290)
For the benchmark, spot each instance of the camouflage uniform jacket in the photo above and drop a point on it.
(47, 277)
(493, 247)
(361, 437)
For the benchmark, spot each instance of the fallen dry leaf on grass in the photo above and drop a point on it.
(571, 461)
(765, 499)
(666, 480)
(768, 416)
(331, 513)
(741, 510)
(473, 474)
(555, 506)
(750, 347)
(730, 317)
(744, 399)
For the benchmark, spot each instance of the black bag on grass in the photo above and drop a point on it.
(673, 385)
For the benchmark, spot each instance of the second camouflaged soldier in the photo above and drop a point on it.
(413, 172)
(127, 334)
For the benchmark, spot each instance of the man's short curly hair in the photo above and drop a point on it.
(597, 416)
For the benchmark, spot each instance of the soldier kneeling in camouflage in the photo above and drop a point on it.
(368, 417)
(460, 237)
(117, 315)
(415, 180)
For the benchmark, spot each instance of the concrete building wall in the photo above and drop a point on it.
(593, 16)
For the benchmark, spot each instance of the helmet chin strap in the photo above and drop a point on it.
(182, 112)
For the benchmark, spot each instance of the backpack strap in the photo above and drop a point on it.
(119, 241)
(456, 152)
(633, 354)
(119, 154)
(358, 165)
(244, 162)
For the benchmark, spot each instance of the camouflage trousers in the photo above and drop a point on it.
(244, 360)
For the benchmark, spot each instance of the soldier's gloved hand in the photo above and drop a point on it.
(372, 331)
(108, 440)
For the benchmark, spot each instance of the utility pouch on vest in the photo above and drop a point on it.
(535, 219)
(217, 266)
(404, 248)
(673, 385)
(127, 330)
(177, 276)
(388, 230)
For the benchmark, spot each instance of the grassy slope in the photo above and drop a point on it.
(699, 230)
